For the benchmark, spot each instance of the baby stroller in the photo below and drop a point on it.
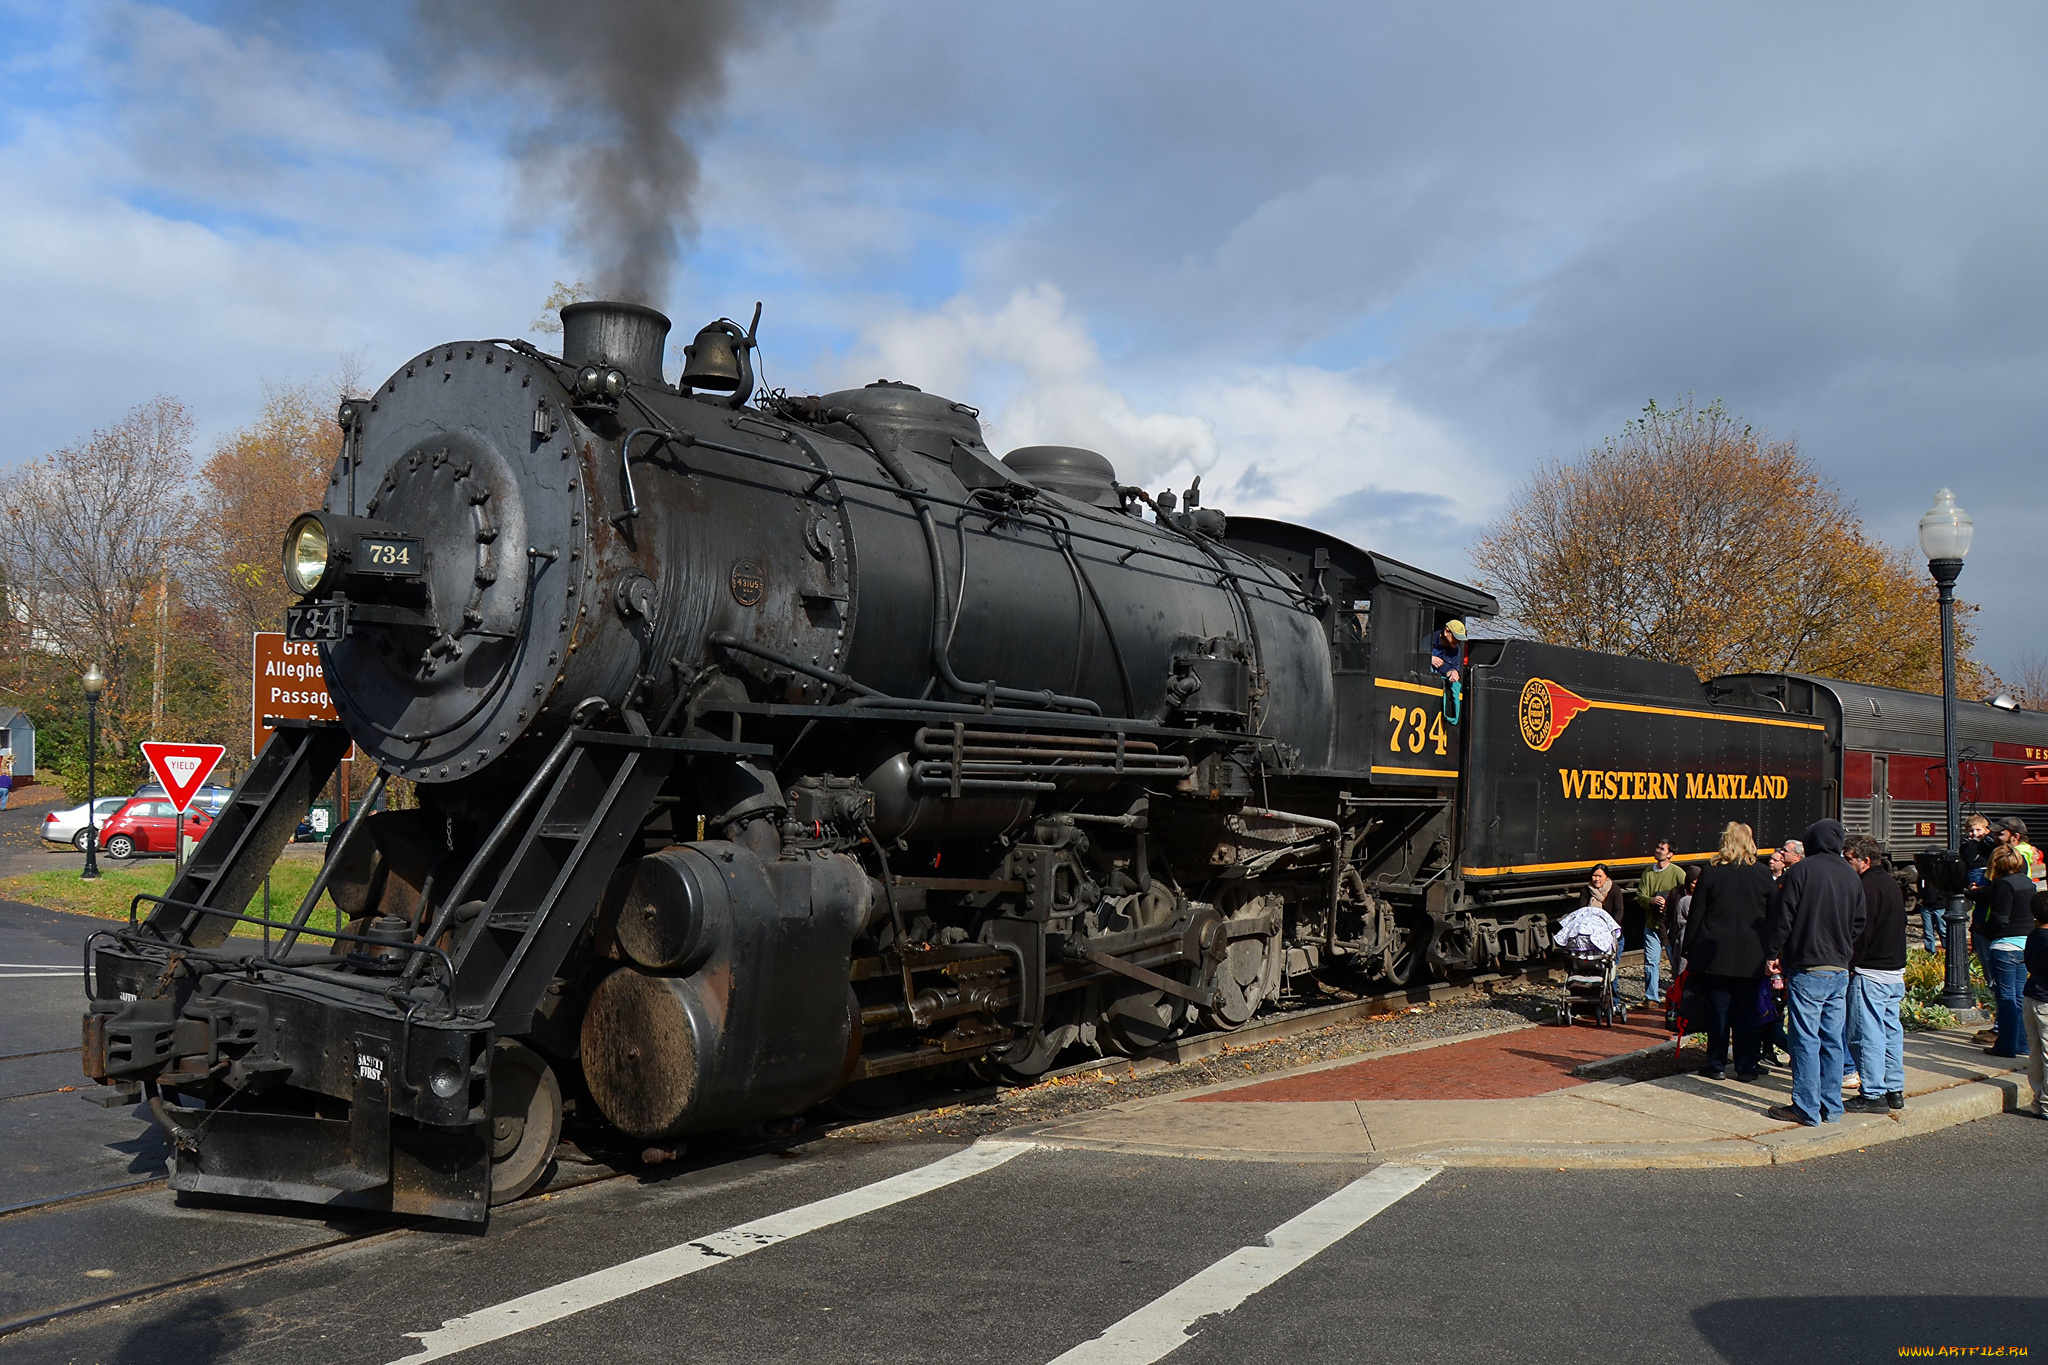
(1592, 941)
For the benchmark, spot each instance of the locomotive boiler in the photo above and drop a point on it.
(767, 748)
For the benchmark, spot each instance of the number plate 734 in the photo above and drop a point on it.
(394, 555)
(319, 623)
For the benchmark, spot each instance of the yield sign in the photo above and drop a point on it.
(182, 767)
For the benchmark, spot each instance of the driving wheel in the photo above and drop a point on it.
(120, 846)
(526, 1120)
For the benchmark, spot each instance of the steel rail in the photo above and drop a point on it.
(81, 1196)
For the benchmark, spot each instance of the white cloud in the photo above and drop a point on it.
(114, 304)
(1279, 440)
(1040, 379)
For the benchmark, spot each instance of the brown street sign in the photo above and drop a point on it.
(286, 682)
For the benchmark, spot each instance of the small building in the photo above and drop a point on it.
(18, 738)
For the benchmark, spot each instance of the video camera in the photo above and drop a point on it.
(1942, 872)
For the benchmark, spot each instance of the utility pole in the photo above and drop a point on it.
(156, 691)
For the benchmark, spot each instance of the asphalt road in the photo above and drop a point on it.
(22, 848)
(1925, 1242)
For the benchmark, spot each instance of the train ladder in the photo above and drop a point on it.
(237, 852)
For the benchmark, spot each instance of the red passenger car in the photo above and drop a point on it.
(1886, 769)
(149, 824)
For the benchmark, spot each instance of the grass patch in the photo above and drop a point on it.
(118, 884)
(1926, 975)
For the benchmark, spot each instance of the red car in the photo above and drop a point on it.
(149, 824)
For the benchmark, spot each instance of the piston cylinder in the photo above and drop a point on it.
(753, 1018)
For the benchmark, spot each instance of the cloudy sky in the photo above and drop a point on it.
(1360, 265)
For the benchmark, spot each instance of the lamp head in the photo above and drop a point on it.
(1946, 529)
(95, 681)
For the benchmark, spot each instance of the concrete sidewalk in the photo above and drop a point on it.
(1510, 1098)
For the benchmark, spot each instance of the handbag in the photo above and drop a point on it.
(1679, 1009)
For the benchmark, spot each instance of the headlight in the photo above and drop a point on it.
(305, 555)
(446, 1079)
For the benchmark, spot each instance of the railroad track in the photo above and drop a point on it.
(1308, 1018)
(1188, 1049)
(230, 1270)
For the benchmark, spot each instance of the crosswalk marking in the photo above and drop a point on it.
(1161, 1326)
(630, 1277)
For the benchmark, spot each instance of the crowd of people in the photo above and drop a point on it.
(1799, 958)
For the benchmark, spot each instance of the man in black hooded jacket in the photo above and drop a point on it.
(1815, 918)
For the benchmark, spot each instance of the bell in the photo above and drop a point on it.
(713, 360)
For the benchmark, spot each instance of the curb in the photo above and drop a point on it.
(1601, 1066)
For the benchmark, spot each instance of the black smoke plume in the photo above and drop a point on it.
(605, 95)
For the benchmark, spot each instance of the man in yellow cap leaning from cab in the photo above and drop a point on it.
(1447, 658)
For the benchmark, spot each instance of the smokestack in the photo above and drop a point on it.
(628, 335)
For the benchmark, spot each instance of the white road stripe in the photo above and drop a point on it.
(1161, 1326)
(602, 1286)
(63, 973)
(44, 966)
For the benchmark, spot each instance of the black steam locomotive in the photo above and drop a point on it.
(765, 749)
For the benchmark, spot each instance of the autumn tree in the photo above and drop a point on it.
(560, 297)
(256, 480)
(2029, 682)
(89, 538)
(1694, 538)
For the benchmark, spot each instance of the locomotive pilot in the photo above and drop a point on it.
(1447, 660)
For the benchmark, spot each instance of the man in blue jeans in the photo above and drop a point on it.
(1657, 898)
(1815, 918)
(1877, 984)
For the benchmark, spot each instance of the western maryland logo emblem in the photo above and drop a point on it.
(1546, 709)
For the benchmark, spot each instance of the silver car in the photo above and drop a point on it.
(208, 798)
(68, 826)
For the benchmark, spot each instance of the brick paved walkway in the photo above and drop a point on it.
(1527, 1062)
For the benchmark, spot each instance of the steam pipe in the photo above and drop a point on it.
(662, 438)
(941, 613)
(727, 640)
(895, 916)
(1065, 540)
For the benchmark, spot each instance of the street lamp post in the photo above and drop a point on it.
(1945, 538)
(95, 683)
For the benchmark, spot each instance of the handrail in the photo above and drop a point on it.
(513, 817)
(334, 856)
(246, 960)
